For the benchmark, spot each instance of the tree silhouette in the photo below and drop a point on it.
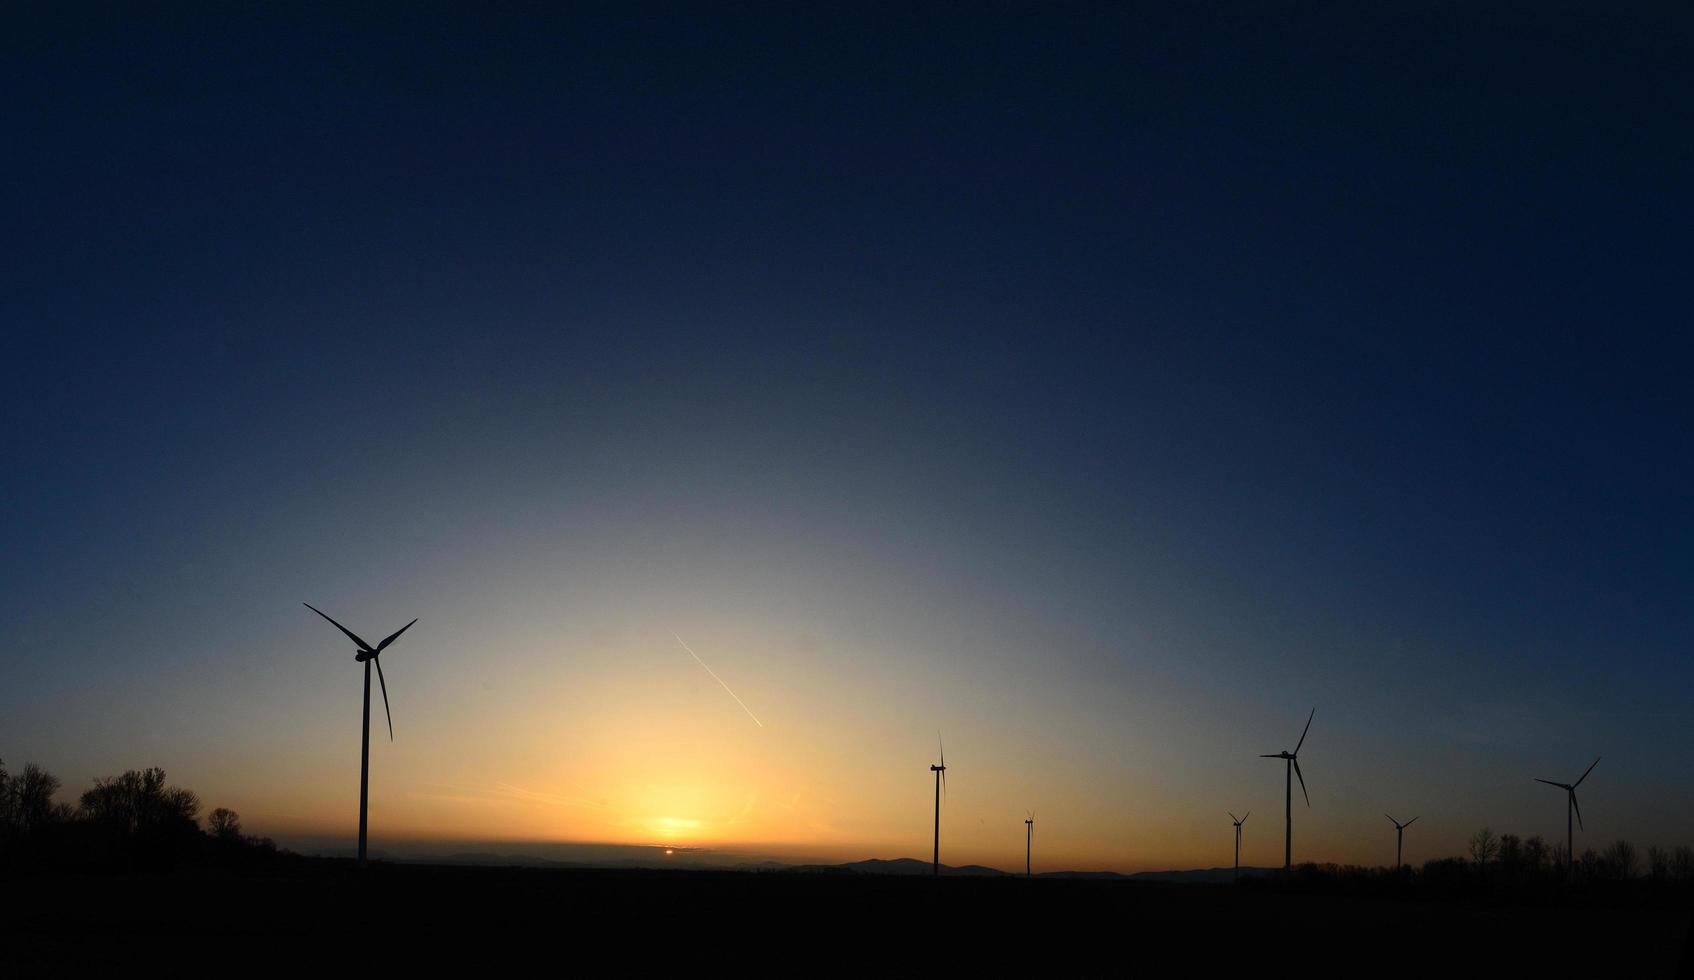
(139, 819)
(1588, 866)
(1484, 846)
(1682, 862)
(1621, 860)
(1511, 852)
(224, 824)
(35, 787)
(1658, 862)
(141, 803)
(1535, 855)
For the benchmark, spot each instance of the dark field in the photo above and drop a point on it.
(563, 922)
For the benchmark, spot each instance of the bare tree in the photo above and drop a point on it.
(8, 804)
(34, 791)
(1511, 852)
(1483, 846)
(1589, 865)
(140, 802)
(1658, 862)
(1535, 854)
(1621, 860)
(224, 824)
(1682, 862)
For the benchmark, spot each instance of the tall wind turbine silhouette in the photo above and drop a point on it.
(1028, 842)
(940, 781)
(367, 655)
(1399, 837)
(1292, 759)
(1570, 808)
(1238, 824)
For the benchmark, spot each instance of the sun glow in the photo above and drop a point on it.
(674, 826)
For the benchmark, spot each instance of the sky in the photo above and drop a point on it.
(1098, 388)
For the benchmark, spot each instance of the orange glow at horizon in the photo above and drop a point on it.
(614, 736)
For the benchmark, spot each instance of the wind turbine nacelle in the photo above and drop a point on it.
(362, 656)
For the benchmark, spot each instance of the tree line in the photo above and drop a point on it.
(131, 822)
(1513, 857)
(1508, 867)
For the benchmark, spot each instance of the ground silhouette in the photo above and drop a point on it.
(128, 876)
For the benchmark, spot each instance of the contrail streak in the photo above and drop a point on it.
(715, 677)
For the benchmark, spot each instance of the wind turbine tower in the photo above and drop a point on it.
(1238, 824)
(367, 655)
(1292, 767)
(1571, 807)
(940, 781)
(1399, 837)
(1028, 842)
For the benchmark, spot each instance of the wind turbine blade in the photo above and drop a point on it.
(944, 780)
(1248, 814)
(1273, 756)
(394, 636)
(385, 711)
(1585, 772)
(1549, 782)
(1392, 820)
(350, 634)
(1578, 807)
(943, 747)
(1409, 823)
(1232, 817)
(1304, 731)
(1302, 776)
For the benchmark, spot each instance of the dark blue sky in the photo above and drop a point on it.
(1337, 348)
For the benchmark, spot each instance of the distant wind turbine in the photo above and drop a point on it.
(1028, 842)
(1399, 837)
(367, 655)
(1238, 824)
(1292, 760)
(940, 781)
(1570, 808)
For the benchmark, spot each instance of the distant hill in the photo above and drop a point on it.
(898, 866)
(696, 861)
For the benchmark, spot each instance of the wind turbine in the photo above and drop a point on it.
(1238, 824)
(1292, 769)
(1399, 837)
(1570, 808)
(940, 781)
(1028, 842)
(367, 655)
